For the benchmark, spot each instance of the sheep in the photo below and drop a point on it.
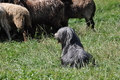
(80, 9)
(44, 12)
(73, 9)
(18, 16)
(4, 22)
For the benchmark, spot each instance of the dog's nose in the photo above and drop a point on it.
(55, 34)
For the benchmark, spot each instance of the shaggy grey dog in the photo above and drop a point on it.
(73, 53)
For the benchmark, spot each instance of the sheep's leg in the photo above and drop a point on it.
(6, 28)
(90, 23)
(8, 34)
(31, 31)
(65, 22)
(24, 35)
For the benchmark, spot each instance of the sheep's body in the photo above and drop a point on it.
(18, 16)
(73, 9)
(4, 22)
(80, 9)
(47, 12)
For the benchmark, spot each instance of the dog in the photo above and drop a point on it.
(73, 53)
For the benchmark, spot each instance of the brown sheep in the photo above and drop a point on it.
(73, 9)
(4, 22)
(80, 9)
(44, 12)
(18, 16)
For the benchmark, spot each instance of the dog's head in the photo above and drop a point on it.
(66, 36)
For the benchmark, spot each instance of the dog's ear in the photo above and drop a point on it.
(64, 37)
(72, 36)
(69, 36)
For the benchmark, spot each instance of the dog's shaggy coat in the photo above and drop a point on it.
(73, 53)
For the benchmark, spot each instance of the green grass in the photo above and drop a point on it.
(39, 59)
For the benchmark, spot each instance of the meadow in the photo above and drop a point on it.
(39, 59)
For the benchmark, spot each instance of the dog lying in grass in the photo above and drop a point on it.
(73, 53)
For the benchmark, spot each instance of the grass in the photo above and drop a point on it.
(39, 59)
